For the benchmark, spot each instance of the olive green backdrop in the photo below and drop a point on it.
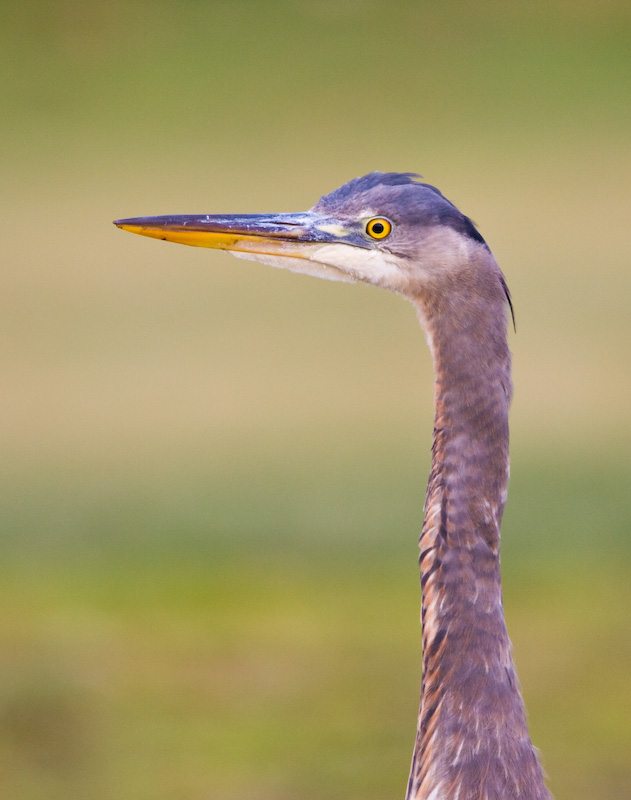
(214, 472)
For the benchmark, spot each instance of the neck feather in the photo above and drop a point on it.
(472, 739)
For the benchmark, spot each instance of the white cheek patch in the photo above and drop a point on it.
(370, 266)
(333, 262)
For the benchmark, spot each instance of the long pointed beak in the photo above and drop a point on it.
(290, 235)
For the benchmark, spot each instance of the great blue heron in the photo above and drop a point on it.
(394, 231)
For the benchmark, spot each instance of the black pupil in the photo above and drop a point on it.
(377, 227)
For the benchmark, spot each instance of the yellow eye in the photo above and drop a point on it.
(378, 227)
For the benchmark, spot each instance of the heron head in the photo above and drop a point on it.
(387, 229)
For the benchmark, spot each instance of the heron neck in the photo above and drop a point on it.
(472, 738)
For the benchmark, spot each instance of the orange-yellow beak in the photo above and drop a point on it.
(291, 235)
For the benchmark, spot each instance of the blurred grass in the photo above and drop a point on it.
(214, 473)
(285, 675)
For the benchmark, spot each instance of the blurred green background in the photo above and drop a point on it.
(214, 472)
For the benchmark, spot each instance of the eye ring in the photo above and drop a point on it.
(378, 227)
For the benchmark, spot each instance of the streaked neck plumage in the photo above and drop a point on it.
(472, 739)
